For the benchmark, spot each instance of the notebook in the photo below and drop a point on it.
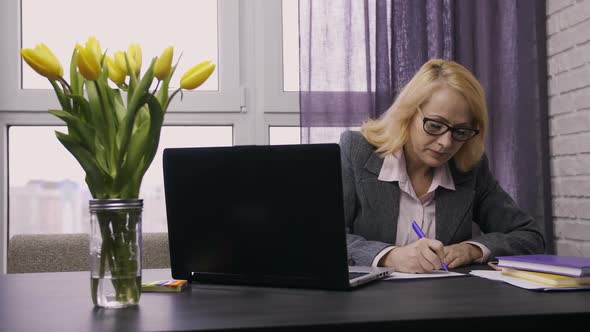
(574, 266)
(547, 278)
(259, 215)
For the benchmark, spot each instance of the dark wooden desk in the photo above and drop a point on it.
(61, 302)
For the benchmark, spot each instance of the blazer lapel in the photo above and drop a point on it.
(384, 199)
(452, 207)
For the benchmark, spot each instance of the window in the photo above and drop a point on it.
(242, 104)
(62, 23)
(47, 192)
(51, 22)
(290, 10)
(284, 135)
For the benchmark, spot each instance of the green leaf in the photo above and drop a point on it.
(78, 88)
(85, 113)
(135, 151)
(94, 177)
(100, 154)
(98, 119)
(162, 94)
(63, 100)
(120, 109)
(156, 121)
(77, 129)
(107, 104)
(136, 101)
(74, 75)
(142, 147)
(132, 79)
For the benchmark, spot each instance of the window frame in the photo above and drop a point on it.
(227, 98)
(274, 98)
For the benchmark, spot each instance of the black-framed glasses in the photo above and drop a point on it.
(438, 128)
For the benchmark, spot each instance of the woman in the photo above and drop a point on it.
(423, 161)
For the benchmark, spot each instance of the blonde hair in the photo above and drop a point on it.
(390, 132)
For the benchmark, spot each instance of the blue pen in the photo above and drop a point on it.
(418, 231)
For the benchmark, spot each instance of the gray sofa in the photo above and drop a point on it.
(69, 252)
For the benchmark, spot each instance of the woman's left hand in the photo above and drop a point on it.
(460, 254)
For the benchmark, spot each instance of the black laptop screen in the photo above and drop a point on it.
(256, 213)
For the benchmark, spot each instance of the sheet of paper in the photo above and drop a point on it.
(522, 283)
(434, 274)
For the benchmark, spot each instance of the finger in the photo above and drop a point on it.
(433, 251)
(462, 257)
(425, 264)
(437, 247)
(449, 257)
(453, 263)
(439, 250)
(432, 259)
(447, 250)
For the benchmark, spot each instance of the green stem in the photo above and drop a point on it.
(170, 99)
(119, 248)
(156, 89)
(63, 101)
(110, 126)
(64, 82)
(104, 220)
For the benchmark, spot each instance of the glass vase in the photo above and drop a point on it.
(115, 252)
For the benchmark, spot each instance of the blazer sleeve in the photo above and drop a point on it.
(508, 230)
(360, 251)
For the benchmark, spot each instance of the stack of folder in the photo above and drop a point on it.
(552, 270)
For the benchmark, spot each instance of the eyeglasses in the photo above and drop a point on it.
(434, 127)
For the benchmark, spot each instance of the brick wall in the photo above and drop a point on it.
(568, 52)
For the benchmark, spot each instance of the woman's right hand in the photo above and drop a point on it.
(424, 255)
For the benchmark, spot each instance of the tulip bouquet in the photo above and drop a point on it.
(113, 137)
(114, 142)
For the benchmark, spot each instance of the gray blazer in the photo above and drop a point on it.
(372, 208)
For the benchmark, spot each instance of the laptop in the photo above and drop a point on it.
(259, 215)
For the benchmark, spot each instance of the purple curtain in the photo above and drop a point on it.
(356, 55)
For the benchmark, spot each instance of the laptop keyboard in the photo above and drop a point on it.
(352, 275)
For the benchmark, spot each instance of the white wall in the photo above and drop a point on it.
(568, 50)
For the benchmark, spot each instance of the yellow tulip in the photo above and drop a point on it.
(43, 61)
(197, 75)
(115, 73)
(93, 45)
(164, 63)
(89, 59)
(134, 54)
(120, 61)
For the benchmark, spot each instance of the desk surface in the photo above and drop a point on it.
(61, 301)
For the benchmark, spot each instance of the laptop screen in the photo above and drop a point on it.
(256, 214)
